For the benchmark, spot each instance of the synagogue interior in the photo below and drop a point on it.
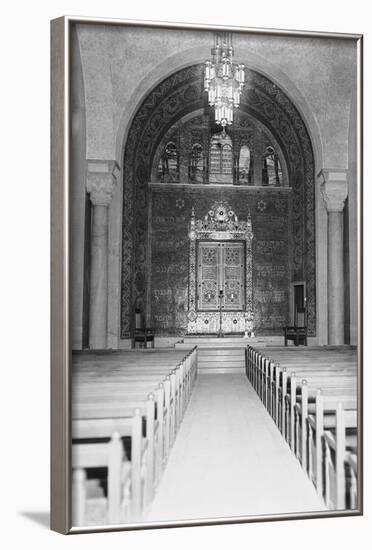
(213, 274)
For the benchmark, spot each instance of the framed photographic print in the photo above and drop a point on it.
(206, 274)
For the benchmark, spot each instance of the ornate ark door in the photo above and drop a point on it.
(220, 276)
(220, 273)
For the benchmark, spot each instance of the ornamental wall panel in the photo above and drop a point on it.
(177, 95)
(171, 292)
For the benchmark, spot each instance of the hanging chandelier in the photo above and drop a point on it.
(223, 80)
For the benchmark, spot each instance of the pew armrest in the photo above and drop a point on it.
(330, 439)
(311, 421)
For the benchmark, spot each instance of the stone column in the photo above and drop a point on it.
(334, 191)
(101, 183)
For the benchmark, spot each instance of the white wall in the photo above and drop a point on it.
(25, 275)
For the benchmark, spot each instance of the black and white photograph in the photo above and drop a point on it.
(213, 273)
(213, 264)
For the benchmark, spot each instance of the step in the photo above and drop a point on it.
(221, 358)
(212, 363)
(271, 340)
(211, 345)
(222, 352)
(222, 370)
(220, 341)
(223, 364)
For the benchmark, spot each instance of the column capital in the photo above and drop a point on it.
(102, 176)
(334, 188)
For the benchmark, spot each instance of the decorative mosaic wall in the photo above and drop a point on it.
(182, 93)
(171, 210)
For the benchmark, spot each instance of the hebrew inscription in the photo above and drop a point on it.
(169, 294)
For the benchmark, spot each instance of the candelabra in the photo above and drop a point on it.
(223, 80)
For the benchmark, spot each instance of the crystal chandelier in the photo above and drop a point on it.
(223, 80)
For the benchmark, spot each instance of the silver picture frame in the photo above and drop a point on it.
(61, 78)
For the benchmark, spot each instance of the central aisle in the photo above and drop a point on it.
(229, 459)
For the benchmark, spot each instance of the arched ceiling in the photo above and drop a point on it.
(183, 93)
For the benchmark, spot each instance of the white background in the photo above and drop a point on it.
(24, 305)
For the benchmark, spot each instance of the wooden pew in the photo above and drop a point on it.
(286, 380)
(95, 393)
(289, 386)
(315, 380)
(165, 395)
(158, 429)
(337, 444)
(298, 365)
(125, 408)
(309, 409)
(264, 375)
(285, 371)
(260, 369)
(138, 491)
(95, 455)
(176, 388)
(324, 417)
(351, 491)
(185, 374)
(108, 391)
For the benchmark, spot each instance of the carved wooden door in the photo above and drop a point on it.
(220, 268)
(233, 275)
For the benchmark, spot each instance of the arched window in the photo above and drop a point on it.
(196, 163)
(221, 159)
(168, 163)
(215, 159)
(227, 160)
(271, 168)
(245, 165)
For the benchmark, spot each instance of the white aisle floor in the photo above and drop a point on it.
(229, 459)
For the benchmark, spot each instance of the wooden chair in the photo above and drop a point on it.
(298, 331)
(141, 333)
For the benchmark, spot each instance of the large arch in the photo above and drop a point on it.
(197, 55)
(177, 95)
